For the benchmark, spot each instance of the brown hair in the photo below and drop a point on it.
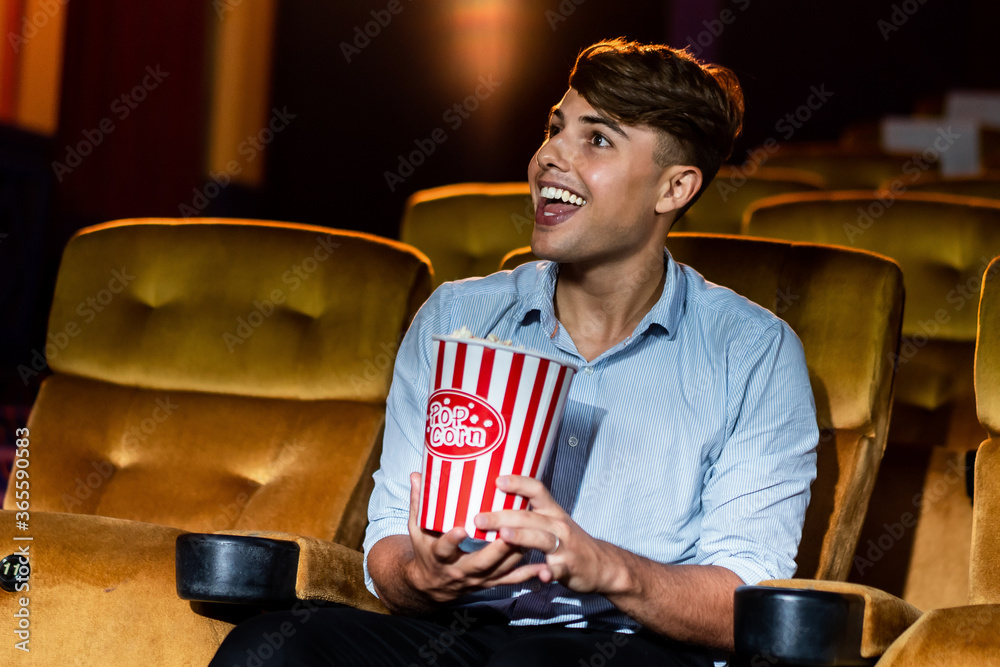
(698, 106)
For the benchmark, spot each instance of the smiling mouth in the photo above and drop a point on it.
(556, 205)
(556, 195)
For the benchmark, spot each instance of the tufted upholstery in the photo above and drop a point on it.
(943, 243)
(466, 229)
(208, 375)
(850, 367)
(720, 208)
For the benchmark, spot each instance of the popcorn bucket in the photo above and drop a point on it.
(493, 410)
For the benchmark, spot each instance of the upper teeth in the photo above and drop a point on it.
(549, 192)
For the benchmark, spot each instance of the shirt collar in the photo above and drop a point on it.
(537, 297)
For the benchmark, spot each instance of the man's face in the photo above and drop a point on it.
(610, 167)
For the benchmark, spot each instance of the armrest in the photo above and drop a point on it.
(270, 567)
(809, 622)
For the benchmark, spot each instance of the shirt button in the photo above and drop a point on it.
(573, 442)
(589, 370)
(535, 586)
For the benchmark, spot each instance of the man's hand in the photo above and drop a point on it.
(433, 568)
(691, 603)
(573, 558)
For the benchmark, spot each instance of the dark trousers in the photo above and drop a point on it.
(464, 637)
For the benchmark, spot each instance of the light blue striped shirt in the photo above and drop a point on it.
(691, 442)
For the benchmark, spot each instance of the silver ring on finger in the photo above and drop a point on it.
(556, 547)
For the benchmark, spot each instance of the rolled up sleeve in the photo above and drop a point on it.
(757, 490)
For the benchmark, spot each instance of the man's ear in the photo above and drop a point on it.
(679, 184)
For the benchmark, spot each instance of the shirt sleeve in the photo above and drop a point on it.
(406, 409)
(757, 490)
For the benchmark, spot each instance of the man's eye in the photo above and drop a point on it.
(600, 140)
(551, 131)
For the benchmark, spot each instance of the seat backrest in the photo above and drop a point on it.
(465, 229)
(850, 346)
(221, 374)
(984, 573)
(721, 206)
(943, 244)
(985, 185)
(846, 169)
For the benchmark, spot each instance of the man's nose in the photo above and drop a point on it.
(552, 154)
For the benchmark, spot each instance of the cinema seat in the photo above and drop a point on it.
(466, 229)
(985, 185)
(207, 376)
(968, 635)
(720, 208)
(843, 169)
(961, 635)
(943, 244)
(850, 367)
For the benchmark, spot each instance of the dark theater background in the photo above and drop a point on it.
(333, 113)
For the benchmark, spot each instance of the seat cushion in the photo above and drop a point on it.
(204, 462)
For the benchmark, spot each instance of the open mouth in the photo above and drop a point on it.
(556, 195)
(556, 204)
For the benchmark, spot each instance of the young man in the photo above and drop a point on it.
(686, 450)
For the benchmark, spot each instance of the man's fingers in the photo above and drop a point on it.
(414, 501)
(520, 575)
(445, 548)
(529, 538)
(532, 489)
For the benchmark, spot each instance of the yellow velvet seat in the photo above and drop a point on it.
(465, 229)
(970, 635)
(943, 244)
(851, 368)
(208, 375)
(895, 634)
(984, 185)
(843, 169)
(721, 206)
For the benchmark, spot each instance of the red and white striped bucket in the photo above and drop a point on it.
(493, 410)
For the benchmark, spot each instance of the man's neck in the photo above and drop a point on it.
(601, 305)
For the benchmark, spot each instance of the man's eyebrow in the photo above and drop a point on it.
(556, 112)
(605, 121)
